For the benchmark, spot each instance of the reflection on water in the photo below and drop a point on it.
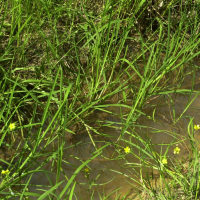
(108, 172)
(161, 131)
(100, 169)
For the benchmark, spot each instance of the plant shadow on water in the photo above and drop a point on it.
(109, 171)
(98, 168)
(164, 122)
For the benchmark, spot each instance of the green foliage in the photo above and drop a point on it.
(63, 61)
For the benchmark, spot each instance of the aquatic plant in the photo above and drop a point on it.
(127, 150)
(67, 68)
(12, 126)
(176, 150)
(5, 171)
(164, 161)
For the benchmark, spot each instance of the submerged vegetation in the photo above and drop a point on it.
(91, 75)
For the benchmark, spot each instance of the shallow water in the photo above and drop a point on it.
(161, 132)
(161, 129)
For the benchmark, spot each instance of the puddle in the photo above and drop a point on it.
(107, 172)
(161, 132)
(100, 167)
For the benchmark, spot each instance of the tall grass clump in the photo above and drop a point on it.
(66, 67)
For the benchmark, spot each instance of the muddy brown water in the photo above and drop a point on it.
(161, 132)
(115, 174)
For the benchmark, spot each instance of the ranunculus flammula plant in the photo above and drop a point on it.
(87, 170)
(12, 126)
(164, 161)
(127, 150)
(176, 150)
(196, 127)
(5, 171)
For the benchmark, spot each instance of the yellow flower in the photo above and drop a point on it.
(5, 172)
(196, 127)
(127, 150)
(12, 126)
(164, 161)
(87, 170)
(176, 150)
